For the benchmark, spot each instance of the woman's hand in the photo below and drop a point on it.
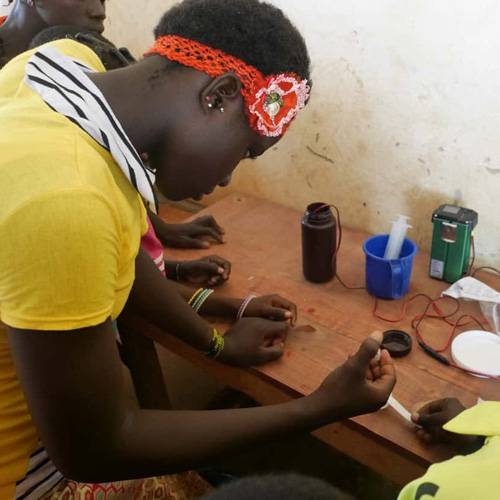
(190, 234)
(212, 270)
(432, 416)
(361, 385)
(272, 307)
(254, 341)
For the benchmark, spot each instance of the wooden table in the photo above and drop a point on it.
(265, 249)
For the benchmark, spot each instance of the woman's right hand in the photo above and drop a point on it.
(361, 385)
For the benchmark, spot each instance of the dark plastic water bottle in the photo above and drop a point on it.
(319, 239)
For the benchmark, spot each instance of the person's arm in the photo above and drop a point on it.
(155, 299)
(212, 270)
(92, 434)
(189, 234)
(251, 341)
(271, 307)
(433, 416)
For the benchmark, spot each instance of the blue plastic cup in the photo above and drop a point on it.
(388, 279)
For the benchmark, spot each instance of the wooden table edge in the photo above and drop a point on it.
(393, 462)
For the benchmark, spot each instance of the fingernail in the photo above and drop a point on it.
(220, 270)
(377, 335)
(288, 314)
(414, 417)
(205, 244)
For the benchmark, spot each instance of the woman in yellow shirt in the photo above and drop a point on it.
(71, 182)
(26, 20)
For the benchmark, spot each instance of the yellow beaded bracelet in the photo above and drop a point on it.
(194, 296)
(218, 344)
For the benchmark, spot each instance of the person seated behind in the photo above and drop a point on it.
(110, 56)
(475, 433)
(27, 18)
(277, 487)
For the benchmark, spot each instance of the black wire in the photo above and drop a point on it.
(349, 287)
(483, 268)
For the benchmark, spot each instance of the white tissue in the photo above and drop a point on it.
(469, 288)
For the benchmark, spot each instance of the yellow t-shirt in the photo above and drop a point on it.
(470, 477)
(70, 227)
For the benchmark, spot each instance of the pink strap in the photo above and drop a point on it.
(153, 246)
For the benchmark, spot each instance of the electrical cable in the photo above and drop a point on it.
(463, 320)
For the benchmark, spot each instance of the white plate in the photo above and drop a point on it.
(478, 351)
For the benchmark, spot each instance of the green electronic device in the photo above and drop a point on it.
(451, 242)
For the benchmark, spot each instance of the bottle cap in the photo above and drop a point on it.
(397, 342)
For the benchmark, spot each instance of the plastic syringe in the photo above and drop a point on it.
(397, 237)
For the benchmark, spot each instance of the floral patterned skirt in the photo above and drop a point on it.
(185, 486)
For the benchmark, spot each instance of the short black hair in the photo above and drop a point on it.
(108, 53)
(277, 487)
(254, 31)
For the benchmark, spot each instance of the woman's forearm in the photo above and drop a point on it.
(155, 442)
(92, 432)
(215, 305)
(159, 225)
(155, 299)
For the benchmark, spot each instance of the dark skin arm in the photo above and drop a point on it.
(211, 270)
(432, 416)
(272, 307)
(250, 341)
(192, 234)
(78, 403)
(153, 297)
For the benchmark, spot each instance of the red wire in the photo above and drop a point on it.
(417, 320)
(466, 370)
(439, 313)
(432, 303)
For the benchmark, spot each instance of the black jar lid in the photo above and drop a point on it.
(397, 342)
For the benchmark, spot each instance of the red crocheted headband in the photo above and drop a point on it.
(271, 102)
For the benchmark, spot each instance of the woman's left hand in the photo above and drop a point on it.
(272, 307)
(212, 270)
(192, 234)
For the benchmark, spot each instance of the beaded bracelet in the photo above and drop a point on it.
(200, 300)
(194, 296)
(244, 305)
(218, 343)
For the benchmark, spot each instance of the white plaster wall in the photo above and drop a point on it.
(404, 115)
